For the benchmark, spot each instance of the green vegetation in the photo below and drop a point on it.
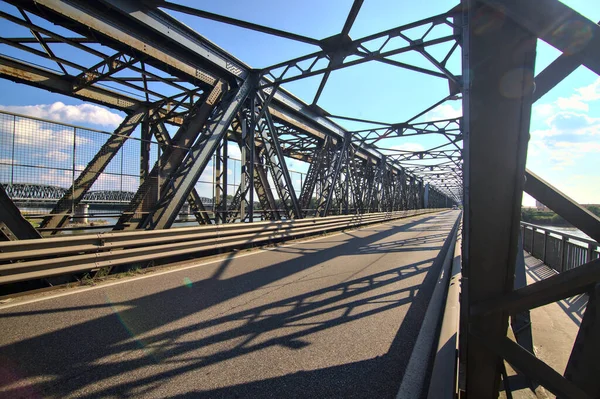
(549, 218)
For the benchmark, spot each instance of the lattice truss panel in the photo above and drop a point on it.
(206, 135)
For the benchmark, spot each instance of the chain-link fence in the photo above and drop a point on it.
(40, 160)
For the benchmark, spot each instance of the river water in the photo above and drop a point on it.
(568, 230)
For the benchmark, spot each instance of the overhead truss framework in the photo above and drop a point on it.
(135, 57)
(138, 59)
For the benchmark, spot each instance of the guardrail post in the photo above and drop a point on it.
(532, 239)
(590, 252)
(563, 253)
(546, 234)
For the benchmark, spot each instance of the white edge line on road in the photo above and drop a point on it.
(79, 290)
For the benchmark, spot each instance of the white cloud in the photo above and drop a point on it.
(574, 102)
(37, 134)
(579, 101)
(58, 111)
(543, 110)
(58, 156)
(444, 111)
(562, 154)
(590, 92)
(568, 123)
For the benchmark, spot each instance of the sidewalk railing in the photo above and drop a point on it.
(560, 251)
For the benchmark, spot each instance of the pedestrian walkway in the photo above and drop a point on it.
(554, 329)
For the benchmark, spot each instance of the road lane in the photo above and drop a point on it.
(334, 317)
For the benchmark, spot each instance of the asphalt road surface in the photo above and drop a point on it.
(333, 317)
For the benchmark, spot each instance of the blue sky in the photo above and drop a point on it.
(565, 123)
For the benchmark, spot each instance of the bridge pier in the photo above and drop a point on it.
(185, 211)
(81, 212)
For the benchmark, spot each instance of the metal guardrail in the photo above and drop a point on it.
(443, 383)
(41, 258)
(560, 251)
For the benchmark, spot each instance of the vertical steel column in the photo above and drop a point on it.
(583, 367)
(249, 145)
(498, 61)
(224, 177)
(349, 157)
(220, 191)
(174, 152)
(312, 176)
(13, 225)
(146, 136)
(331, 178)
(279, 170)
(182, 181)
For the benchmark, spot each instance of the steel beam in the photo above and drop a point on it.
(551, 289)
(170, 159)
(356, 47)
(21, 72)
(276, 164)
(312, 175)
(13, 225)
(194, 199)
(185, 176)
(497, 99)
(331, 178)
(583, 367)
(527, 363)
(557, 25)
(237, 22)
(84, 17)
(570, 210)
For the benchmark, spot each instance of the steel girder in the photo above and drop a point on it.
(144, 36)
(13, 225)
(194, 200)
(449, 127)
(336, 49)
(493, 179)
(254, 175)
(170, 159)
(330, 175)
(553, 24)
(314, 171)
(138, 31)
(268, 137)
(181, 182)
(574, 213)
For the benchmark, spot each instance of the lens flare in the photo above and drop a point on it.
(187, 282)
(516, 83)
(130, 323)
(572, 36)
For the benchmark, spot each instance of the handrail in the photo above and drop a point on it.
(33, 259)
(561, 251)
(560, 233)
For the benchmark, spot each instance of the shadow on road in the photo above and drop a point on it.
(575, 306)
(78, 357)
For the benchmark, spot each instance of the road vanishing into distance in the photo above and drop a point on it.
(332, 317)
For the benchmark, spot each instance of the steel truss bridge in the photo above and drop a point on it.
(160, 72)
(46, 193)
(24, 192)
